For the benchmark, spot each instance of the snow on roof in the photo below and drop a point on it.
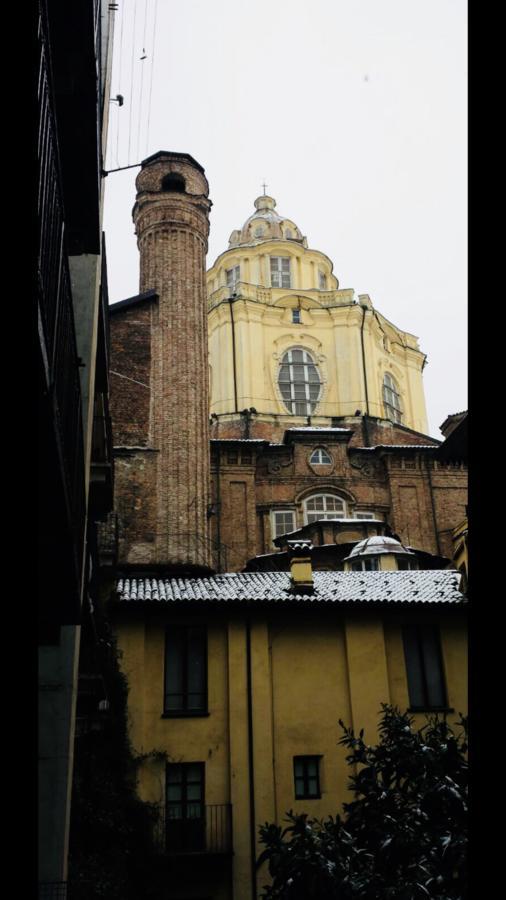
(400, 447)
(316, 428)
(392, 587)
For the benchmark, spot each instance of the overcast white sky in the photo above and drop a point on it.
(355, 114)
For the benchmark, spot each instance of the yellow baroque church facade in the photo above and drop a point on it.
(274, 303)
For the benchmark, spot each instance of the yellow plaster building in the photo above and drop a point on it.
(275, 303)
(241, 680)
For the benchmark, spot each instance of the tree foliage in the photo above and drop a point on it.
(403, 837)
(111, 848)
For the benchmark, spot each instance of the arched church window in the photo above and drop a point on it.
(174, 182)
(392, 399)
(299, 382)
(323, 506)
(320, 457)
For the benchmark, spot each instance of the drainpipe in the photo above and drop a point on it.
(231, 301)
(218, 506)
(251, 771)
(364, 419)
(434, 519)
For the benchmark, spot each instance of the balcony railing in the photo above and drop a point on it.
(53, 890)
(194, 829)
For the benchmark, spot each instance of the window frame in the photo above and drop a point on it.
(296, 386)
(280, 275)
(320, 450)
(185, 711)
(274, 512)
(189, 838)
(416, 631)
(324, 516)
(305, 760)
(392, 399)
(235, 272)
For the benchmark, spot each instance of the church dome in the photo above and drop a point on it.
(265, 224)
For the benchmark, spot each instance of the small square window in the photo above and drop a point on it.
(306, 773)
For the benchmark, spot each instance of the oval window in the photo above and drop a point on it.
(299, 382)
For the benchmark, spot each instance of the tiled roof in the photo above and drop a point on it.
(432, 586)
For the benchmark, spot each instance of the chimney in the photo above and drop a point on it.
(301, 571)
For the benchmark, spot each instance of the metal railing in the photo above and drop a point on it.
(194, 828)
(53, 890)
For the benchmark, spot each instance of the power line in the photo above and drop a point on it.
(143, 57)
(152, 70)
(119, 80)
(132, 82)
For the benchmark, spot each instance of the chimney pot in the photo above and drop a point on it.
(301, 570)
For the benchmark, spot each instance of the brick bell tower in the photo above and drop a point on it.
(171, 216)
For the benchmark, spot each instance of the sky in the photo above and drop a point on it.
(354, 114)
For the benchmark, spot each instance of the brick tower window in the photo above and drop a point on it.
(174, 182)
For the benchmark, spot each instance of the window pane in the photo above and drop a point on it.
(174, 774)
(297, 356)
(174, 702)
(313, 786)
(196, 661)
(194, 792)
(299, 787)
(174, 662)
(174, 792)
(298, 767)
